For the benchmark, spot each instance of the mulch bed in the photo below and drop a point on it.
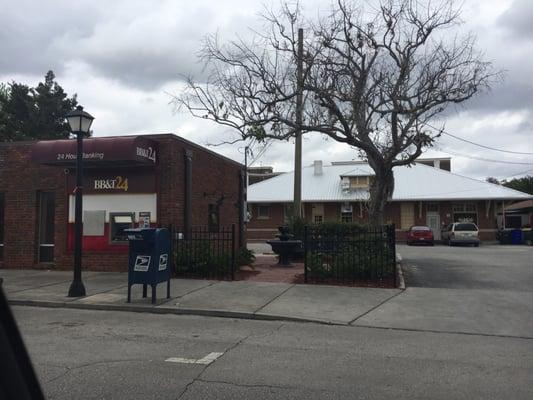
(382, 284)
(266, 269)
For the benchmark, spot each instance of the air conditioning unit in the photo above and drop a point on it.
(346, 208)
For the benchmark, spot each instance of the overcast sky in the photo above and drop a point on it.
(125, 58)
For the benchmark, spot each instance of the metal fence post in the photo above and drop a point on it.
(393, 244)
(233, 261)
(172, 245)
(305, 253)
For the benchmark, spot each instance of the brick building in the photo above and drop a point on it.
(427, 193)
(129, 181)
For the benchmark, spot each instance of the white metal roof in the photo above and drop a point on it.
(418, 182)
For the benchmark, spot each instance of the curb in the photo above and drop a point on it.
(167, 310)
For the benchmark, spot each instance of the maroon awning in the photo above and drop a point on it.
(116, 150)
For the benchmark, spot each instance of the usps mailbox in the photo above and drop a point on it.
(149, 259)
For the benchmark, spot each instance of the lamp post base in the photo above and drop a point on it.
(77, 289)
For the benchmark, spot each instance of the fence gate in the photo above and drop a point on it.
(204, 252)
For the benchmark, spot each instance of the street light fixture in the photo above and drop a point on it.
(80, 123)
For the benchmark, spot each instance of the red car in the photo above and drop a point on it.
(420, 234)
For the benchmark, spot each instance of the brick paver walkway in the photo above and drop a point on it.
(266, 269)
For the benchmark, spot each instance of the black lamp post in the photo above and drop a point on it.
(79, 122)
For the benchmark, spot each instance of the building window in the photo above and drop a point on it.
(120, 222)
(213, 216)
(359, 182)
(2, 205)
(407, 215)
(346, 217)
(317, 213)
(46, 226)
(465, 212)
(263, 212)
(346, 213)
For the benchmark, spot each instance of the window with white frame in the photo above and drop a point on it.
(46, 226)
(465, 212)
(346, 213)
(358, 182)
(318, 219)
(317, 213)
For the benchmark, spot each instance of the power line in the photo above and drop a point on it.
(478, 144)
(519, 173)
(261, 152)
(482, 158)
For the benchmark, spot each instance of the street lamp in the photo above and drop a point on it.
(79, 122)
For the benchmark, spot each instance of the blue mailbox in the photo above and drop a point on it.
(149, 259)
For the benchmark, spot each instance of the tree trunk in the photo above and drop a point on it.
(380, 192)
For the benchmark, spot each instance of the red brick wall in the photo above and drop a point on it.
(21, 182)
(265, 229)
(213, 177)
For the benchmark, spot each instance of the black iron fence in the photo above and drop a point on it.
(204, 252)
(350, 254)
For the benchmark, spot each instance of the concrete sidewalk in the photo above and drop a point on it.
(470, 311)
(243, 299)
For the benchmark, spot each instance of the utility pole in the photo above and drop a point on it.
(243, 205)
(297, 205)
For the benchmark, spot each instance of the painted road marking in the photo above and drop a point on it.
(208, 359)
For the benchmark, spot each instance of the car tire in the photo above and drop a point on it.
(476, 244)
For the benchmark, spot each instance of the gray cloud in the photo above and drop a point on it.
(141, 44)
(517, 20)
(121, 56)
(27, 30)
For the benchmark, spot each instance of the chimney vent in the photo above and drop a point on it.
(318, 167)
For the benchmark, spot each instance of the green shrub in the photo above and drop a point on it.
(349, 252)
(202, 257)
(296, 227)
(245, 257)
(316, 268)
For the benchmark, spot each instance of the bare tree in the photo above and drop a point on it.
(371, 80)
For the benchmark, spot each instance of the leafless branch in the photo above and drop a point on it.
(370, 81)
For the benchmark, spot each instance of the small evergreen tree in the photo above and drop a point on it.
(34, 113)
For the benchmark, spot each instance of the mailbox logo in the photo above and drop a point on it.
(163, 261)
(142, 263)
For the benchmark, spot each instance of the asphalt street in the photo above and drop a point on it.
(493, 267)
(86, 354)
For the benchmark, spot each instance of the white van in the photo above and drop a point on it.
(461, 232)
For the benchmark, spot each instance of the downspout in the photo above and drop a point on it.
(242, 208)
(187, 218)
(503, 214)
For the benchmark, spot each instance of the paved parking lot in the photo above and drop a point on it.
(464, 267)
(486, 290)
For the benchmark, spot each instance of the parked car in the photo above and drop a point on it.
(461, 232)
(420, 234)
